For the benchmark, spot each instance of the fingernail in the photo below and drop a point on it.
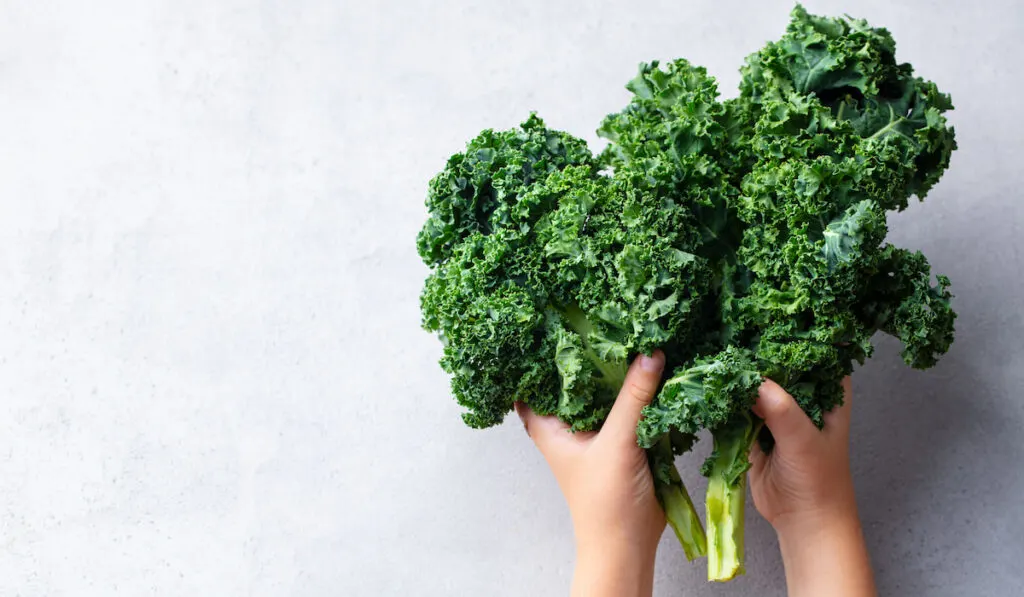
(648, 363)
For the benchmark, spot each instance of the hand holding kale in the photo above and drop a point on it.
(745, 237)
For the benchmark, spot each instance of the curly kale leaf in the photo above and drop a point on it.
(548, 276)
(703, 395)
(478, 189)
(850, 68)
(745, 237)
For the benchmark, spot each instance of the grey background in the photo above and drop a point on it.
(212, 379)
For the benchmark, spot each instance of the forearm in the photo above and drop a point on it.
(826, 556)
(613, 573)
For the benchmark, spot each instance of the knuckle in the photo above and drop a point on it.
(786, 409)
(639, 392)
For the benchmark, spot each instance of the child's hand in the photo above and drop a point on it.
(805, 490)
(607, 483)
(807, 475)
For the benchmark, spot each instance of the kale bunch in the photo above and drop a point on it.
(745, 237)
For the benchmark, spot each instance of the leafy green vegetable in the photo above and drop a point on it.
(547, 276)
(746, 237)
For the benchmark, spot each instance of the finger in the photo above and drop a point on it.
(637, 392)
(783, 416)
(758, 459)
(550, 434)
(839, 417)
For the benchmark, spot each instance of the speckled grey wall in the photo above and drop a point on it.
(212, 379)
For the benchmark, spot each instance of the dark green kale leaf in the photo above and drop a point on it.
(797, 175)
(745, 237)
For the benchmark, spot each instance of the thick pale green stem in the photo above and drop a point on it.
(682, 517)
(726, 496)
(679, 510)
(725, 511)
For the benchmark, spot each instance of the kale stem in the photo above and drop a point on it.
(674, 499)
(726, 497)
(725, 514)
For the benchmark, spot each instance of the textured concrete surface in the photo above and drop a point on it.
(212, 380)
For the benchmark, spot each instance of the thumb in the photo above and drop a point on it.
(783, 416)
(637, 392)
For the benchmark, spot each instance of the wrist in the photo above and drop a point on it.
(811, 531)
(817, 523)
(615, 555)
(620, 545)
(612, 569)
(824, 553)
